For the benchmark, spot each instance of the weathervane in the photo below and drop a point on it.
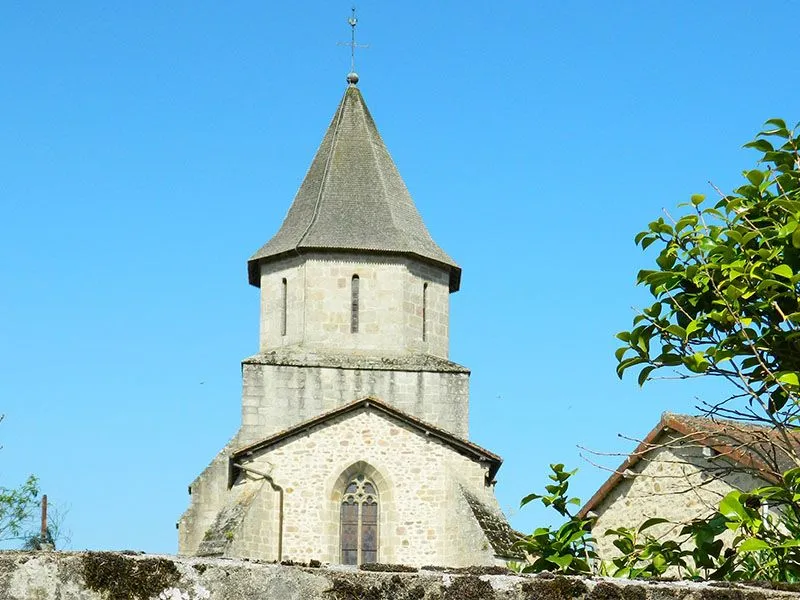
(352, 76)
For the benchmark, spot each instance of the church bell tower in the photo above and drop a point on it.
(354, 444)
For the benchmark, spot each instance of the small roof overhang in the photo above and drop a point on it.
(458, 444)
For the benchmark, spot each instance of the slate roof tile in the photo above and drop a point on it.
(494, 525)
(353, 198)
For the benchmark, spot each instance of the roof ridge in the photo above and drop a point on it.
(326, 171)
(375, 157)
(742, 454)
(439, 432)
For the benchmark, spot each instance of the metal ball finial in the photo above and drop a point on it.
(352, 76)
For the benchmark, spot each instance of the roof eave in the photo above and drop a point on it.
(466, 447)
(254, 272)
(254, 264)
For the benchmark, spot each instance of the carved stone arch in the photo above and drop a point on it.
(385, 497)
(360, 467)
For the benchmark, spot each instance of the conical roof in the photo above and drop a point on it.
(353, 198)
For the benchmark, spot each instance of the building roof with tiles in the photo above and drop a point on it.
(353, 199)
(765, 452)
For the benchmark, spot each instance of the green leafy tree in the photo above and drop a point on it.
(568, 549)
(765, 524)
(726, 292)
(765, 544)
(17, 505)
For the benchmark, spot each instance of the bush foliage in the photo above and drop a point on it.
(726, 303)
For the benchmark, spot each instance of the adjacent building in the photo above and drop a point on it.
(683, 468)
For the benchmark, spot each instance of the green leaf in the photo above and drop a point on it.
(752, 545)
(783, 271)
(529, 498)
(796, 238)
(627, 363)
(762, 145)
(731, 507)
(696, 363)
(789, 378)
(677, 331)
(668, 359)
(779, 123)
(623, 573)
(693, 326)
(647, 241)
(655, 310)
(755, 177)
(561, 561)
(644, 374)
(666, 261)
(652, 523)
(789, 227)
(686, 221)
(780, 132)
(697, 199)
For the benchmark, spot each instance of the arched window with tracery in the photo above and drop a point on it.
(359, 522)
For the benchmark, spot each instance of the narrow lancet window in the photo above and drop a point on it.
(283, 306)
(424, 311)
(359, 522)
(354, 304)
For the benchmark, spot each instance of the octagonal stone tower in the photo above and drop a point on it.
(353, 216)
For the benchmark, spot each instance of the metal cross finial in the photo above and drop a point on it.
(352, 77)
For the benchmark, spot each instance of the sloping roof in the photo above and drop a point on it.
(754, 448)
(458, 444)
(353, 198)
(228, 521)
(494, 526)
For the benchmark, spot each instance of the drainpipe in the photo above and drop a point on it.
(278, 489)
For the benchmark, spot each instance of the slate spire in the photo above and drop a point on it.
(353, 199)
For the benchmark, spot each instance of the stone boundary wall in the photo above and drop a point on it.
(122, 576)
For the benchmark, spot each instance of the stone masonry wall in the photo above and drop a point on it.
(422, 517)
(276, 397)
(112, 576)
(208, 492)
(675, 482)
(318, 305)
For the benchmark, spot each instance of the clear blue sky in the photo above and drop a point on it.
(147, 149)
